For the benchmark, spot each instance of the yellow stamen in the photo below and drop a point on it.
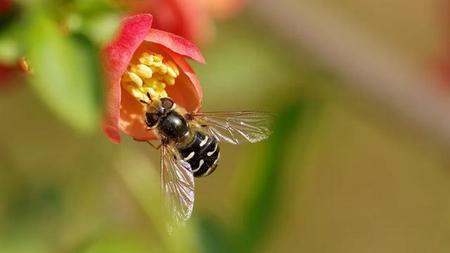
(169, 80)
(160, 86)
(135, 92)
(174, 68)
(150, 75)
(157, 58)
(135, 78)
(163, 69)
(144, 71)
(150, 91)
(171, 72)
(146, 59)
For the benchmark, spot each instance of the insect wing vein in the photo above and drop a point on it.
(237, 127)
(178, 184)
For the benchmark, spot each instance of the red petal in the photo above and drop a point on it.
(117, 56)
(185, 18)
(224, 8)
(176, 44)
(187, 92)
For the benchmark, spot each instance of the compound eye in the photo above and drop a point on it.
(151, 119)
(167, 103)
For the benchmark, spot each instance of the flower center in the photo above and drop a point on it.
(149, 77)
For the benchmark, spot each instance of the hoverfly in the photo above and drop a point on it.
(190, 146)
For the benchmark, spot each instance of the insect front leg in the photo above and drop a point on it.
(149, 143)
(189, 116)
(194, 121)
(153, 145)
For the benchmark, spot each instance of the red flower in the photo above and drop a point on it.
(191, 19)
(441, 68)
(223, 8)
(8, 73)
(185, 18)
(440, 64)
(5, 6)
(141, 60)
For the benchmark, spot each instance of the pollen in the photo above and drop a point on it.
(151, 74)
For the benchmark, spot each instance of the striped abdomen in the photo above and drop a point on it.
(202, 154)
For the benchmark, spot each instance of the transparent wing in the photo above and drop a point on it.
(236, 127)
(177, 183)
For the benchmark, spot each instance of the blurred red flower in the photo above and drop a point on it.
(142, 59)
(442, 69)
(191, 19)
(6, 5)
(7, 71)
(441, 63)
(10, 72)
(223, 8)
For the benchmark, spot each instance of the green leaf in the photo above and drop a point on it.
(101, 28)
(66, 73)
(214, 238)
(10, 45)
(261, 207)
(118, 242)
(9, 50)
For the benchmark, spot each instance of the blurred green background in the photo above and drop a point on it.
(342, 173)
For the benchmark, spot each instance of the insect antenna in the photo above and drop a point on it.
(149, 97)
(143, 101)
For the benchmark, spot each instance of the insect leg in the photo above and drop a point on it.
(189, 116)
(153, 145)
(139, 140)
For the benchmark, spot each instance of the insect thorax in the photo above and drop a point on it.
(173, 126)
(202, 153)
